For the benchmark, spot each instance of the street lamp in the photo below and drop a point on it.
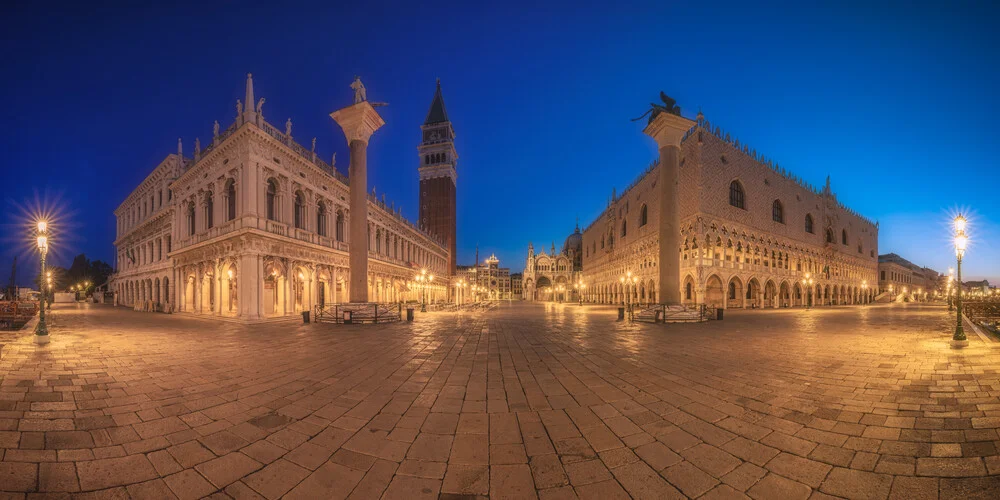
(629, 282)
(579, 286)
(42, 237)
(807, 281)
(961, 241)
(423, 282)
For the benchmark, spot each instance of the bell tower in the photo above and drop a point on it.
(438, 176)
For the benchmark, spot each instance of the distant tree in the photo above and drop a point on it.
(100, 271)
(79, 270)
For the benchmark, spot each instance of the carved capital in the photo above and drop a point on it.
(359, 121)
(668, 129)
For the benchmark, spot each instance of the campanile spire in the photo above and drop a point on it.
(438, 176)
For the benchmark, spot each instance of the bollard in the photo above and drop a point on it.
(409, 314)
(718, 313)
(621, 314)
(347, 317)
(305, 317)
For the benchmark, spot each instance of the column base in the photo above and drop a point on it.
(958, 344)
(41, 339)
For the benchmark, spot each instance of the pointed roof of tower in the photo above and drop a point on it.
(437, 113)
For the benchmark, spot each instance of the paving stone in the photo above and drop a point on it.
(606, 490)
(852, 483)
(228, 468)
(469, 480)
(328, 481)
(775, 486)
(691, 480)
(799, 469)
(429, 405)
(407, 487)
(640, 481)
(105, 473)
(276, 479)
(156, 488)
(950, 467)
(711, 459)
(188, 484)
(54, 477)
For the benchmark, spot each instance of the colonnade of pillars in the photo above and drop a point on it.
(130, 292)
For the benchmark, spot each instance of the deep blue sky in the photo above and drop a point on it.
(897, 103)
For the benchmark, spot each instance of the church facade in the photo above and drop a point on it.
(256, 226)
(550, 276)
(751, 235)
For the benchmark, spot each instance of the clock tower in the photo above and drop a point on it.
(438, 176)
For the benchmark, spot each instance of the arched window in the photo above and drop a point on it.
(624, 228)
(643, 216)
(340, 226)
(687, 291)
(732, 291)
(777, 212)
(300, 210)
(190, 218)
(602, 242)
(843, 236)
(809, 223)
(230, 200)
(829, 235)
(272, 192)
(737, 197)
(209, 210)
(321, 218)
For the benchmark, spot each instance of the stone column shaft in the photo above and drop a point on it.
(359, 221)
(670, 225)
(668, 129)
(358, 121)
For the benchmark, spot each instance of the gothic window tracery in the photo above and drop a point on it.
(737, 197)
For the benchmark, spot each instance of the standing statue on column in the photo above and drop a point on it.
(360, 94)
(288, 127)
(239, 107)
(314, 145)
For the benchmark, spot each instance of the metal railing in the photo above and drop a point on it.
(660, 313)
(15, 313)
(359, 313)
(985, 313)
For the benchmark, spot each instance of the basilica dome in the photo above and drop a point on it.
(574, 241)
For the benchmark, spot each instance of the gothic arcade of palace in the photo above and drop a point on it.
(256, 226)
(751, 235)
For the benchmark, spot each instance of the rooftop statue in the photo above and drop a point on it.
(360, 94)
(669, 106)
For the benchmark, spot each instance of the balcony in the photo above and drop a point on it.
(277, 228)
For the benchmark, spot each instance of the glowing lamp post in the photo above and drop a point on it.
(628, 282)
(579, 286)
(807, 281)
(961, 241)
(423, 281)
(42, 237)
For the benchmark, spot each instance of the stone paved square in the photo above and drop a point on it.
(529, 400)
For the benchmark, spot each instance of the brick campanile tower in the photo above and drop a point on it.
(438, 175)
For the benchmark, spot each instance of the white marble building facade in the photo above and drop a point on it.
(256, 226)
(750, 234)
